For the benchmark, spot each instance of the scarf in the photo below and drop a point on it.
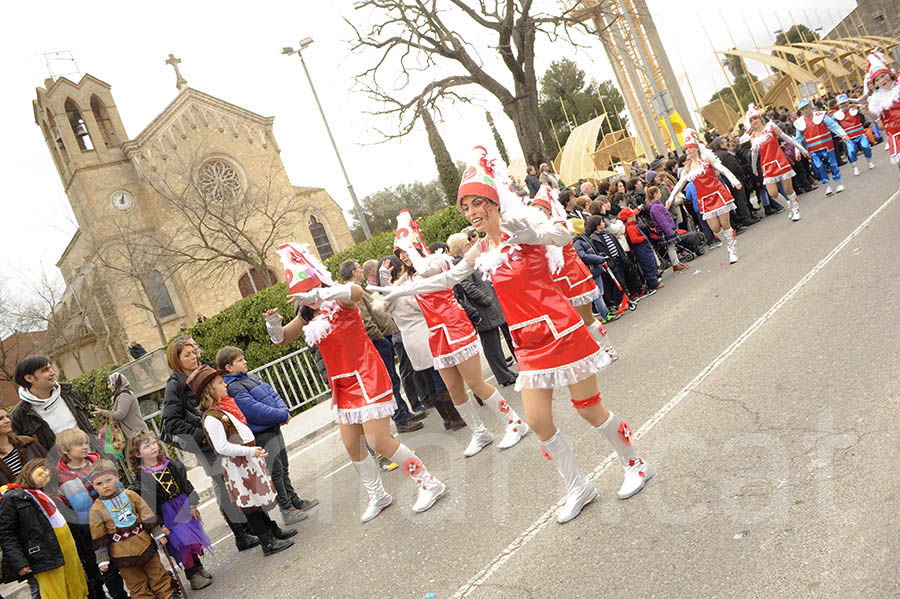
(227, 404)
(45, 404)
(48, 508)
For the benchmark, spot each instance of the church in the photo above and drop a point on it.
(153, 211)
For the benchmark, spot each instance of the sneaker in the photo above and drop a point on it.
(828, 191)
(293, 516)
(659, 285)
(409, 427)
(375, 507)
(304, 505)
(637, 473)
(871, 164)
(612, 353)
(429, 493)
(732, 257)
(839, 188)
(680, 267)
(718, 243)
(198, 581)
(855, 171)
(610, 317)
(385, 465)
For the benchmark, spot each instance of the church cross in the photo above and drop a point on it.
(180, 81)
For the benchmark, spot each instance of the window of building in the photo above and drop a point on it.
(79, 128)
(219, 181)
(158, 294)
(103, 121)
(320, 238)
(248, 287)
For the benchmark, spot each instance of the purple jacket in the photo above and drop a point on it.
(662, 219)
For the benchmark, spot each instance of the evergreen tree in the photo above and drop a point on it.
(448, 175)
(497, 139)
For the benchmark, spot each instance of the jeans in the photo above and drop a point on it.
(386, 351)
(431, 382)
(647, 259)
(504, 328)
(277, 462)
(414, 395)
(490, 341)
(861, 142)
(599, 304)
(822, 161)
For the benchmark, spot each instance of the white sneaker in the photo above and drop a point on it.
(855, 171)
(828, 191)
(479, 441)
(732, 256)
(839, 188)
(637, 473)
(795, 213)
(887, 146)
(612, 353)
(514, 433)
(429, 493)
(375, 507)
(576, 502)
(871, 164)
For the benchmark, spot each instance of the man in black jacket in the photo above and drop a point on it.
(743, 216)
(532, 181)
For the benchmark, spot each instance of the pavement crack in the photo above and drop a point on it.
(733, 401)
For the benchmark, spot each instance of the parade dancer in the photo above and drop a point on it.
(573, 278)
(814, 129)
(553, 347)
(850, 120)
(360, 385)
(774, 164)
(453, 341)
(714, 201)
(884, 101)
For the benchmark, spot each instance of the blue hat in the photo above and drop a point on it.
(842, 99)
(802, 103)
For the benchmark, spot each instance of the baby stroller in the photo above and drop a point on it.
(686, 245)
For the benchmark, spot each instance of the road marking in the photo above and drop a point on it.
(333, 472)
(495, 564)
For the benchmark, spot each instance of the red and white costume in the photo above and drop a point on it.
(850, 121)
(553, 345)
(360, 385)
(775, 165)
(885, 103)
(713, 197)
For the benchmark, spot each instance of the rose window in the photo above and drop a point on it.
(219, 181)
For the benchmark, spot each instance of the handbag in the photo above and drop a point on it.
(114, 439)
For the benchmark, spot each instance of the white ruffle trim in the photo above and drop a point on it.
(367, 413)
(882, 99)
(488, 262)
(320, 326)
(782, 177)
(585, 298)
(458, 356)
(562, 376)
(728, 207)
(555, 258)
(763, 137)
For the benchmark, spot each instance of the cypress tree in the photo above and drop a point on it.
(448, 175)
(497, 139)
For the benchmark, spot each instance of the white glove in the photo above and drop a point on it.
(320, 294)
(521, 231)
(543, 234)
(274, 328)
(379, 289)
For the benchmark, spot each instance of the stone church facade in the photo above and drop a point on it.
(113, 184)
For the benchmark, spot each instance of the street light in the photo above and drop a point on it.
(305, 43)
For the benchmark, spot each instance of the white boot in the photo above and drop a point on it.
(855, 170)
(481, 437)
(828, 191)
(430, 488)
(515, 427)
(731, 243)
(839, 188)
(871, 164)
(371, 481)
(579, 491)
(795, 207)
(637, 471)
(598, 332)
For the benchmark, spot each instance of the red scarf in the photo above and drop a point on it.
(226, 404)
(39, 496)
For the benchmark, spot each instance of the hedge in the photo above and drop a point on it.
(436, 227)
(92, 386)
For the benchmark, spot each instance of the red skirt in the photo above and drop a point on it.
(574, 279)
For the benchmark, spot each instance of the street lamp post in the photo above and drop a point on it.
(305, 43)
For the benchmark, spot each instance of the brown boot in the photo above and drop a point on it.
(455, 420)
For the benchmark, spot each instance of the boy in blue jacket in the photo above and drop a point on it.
(265, 412)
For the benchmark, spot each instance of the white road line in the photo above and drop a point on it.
(495, 564)
(333, 472)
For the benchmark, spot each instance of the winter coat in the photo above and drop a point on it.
(75, 490)
(731, 162)
(533, 183)
(260, 403)
(126, 410)
(137, 351)
(378, 323)
(480, 295)
(26, 537)
(589, 255)
(181, 422)
(662, 220)
(25, 420)
(29, 449)
(154, 495)
(409, 318)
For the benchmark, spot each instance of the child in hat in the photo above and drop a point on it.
(243, 463)
(122, 525)
(814, 130)
(850, 120)
(640, 246)
(162, 482)
(361, 388)
(35, 538)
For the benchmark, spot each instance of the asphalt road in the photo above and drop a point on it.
(765, 396)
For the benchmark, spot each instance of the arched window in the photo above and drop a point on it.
(320, 238)
(78, 126)
(103, 121)
(57, 138)
(159, 297)
(248, 287)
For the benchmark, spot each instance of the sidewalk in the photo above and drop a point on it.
(303, 428)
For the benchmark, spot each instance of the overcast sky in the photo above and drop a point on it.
(231, 50)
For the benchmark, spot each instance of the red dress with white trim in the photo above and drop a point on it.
(775, 165)
(713, 198)
(452, 338)
(886, 104)
(553, 347)
(574, 279)
(360, 385)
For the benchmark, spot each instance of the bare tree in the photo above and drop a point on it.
(419, 36)
(12, 325)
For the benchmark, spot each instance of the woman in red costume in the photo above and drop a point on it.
(775, 166)
(713, 198)
(360, 384)
(453, 341)
(553, 346)
(884, 101)
(573, 278)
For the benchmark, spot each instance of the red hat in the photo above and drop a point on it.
(877, 64)
(689, 138)
(302, 270)
(625, 214)
(478, 178)
(202, 377)
(408, 229)
(542, 198)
